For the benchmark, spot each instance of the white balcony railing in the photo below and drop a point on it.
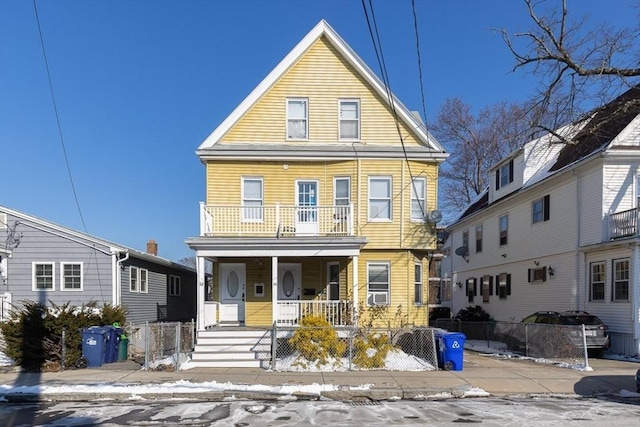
(276, 220)
(337, 313)
(623, 224)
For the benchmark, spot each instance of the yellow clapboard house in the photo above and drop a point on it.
(321, 197)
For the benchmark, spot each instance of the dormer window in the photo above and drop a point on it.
(504, 175)
(297, 113)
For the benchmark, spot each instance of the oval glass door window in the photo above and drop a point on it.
(287, 284)
(233, 284)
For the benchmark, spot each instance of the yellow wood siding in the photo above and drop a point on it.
(322, 76)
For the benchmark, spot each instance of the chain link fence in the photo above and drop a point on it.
(350, 348)
(554, 342)
(160, 346)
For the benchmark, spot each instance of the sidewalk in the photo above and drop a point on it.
(483, 375)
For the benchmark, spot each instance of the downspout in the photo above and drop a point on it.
(117, 274)
(635, 298)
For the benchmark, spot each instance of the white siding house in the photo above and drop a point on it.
(559, 228)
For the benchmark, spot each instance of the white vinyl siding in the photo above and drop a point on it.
(297, 117)
(43, 275)
(380, 198)
(252, 199)
(349, 117)
(71, 276)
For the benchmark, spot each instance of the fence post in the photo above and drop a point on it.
(178, 349)
(146, 345)
(584, 346)
(351, 332)
(274, 345)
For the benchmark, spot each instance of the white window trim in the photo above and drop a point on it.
(370, 294)
(33, 276)
(614, 281)
(390, 199)
(602, 282)
(305, 118)
(341, 211)
(173, 281)
(418, 299)
(62, 277)
(422, 198)
(359, 119)
(146, 281)
(244, 217)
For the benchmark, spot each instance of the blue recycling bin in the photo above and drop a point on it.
(113, 343)
(94, 343)
(451, 350)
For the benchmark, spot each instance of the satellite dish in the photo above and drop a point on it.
(435, 216)
(462, 251)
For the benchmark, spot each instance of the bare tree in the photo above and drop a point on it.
(579, 67)
(476, 141)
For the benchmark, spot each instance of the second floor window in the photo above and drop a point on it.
(341, 197)
(349, 117)
(504, 229)
(252, 199)
(297, 118)
(597, 281)
(479, 238)
(540, 209)
(418, 199)
(465, 239)
(380, 198)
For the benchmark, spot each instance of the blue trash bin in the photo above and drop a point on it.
(94, 343)
(451, 350)
(113, 343)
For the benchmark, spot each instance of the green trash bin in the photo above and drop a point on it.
(123, 349)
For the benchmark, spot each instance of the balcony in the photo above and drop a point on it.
(276, 221)
(623, 224)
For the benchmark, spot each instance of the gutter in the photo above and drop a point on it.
(116, 269)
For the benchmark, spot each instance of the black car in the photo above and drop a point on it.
(596, 332)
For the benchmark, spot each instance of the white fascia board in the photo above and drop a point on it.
(322, 28)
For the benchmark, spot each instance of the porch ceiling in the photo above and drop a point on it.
(267, 247)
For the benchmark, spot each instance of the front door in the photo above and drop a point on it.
(333, 277)
(306, 207)
(232, 293)
(289, 278)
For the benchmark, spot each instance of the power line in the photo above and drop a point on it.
(415, 27)
(55, 109)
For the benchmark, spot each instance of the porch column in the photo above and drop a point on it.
(354, 273)
(201, 280)
(274, 288)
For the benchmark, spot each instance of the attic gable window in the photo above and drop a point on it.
(297, 113)
(349, 117)
(504, 175)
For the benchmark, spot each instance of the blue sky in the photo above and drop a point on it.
(140, 84)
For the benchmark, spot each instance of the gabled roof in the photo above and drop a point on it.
(39, 223)
(322, 29)
(584, 138)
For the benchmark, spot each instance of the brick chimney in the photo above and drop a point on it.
(152, 247)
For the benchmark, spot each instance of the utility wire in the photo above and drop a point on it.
(415, 27)
(55, 109)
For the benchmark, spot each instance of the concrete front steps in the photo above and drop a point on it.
(232, 348)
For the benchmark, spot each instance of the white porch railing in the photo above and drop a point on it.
(276, 220)
(623, 224)
(337, 313)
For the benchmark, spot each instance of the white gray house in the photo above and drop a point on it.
(557, 229)
(45, 262)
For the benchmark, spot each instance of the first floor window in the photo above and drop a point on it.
(378, 280)
(620, 280)
(43, 276)
(504, 285)
(71, 276)
(487, 287)
(471, 289)
(143, 281)
(133, 280)
(418, 283)
(174, 286)
(380, 198)
(252, 199)
(597, 281)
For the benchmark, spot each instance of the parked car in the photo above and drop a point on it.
(596, 331)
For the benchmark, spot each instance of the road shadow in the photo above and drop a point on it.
(618, 388)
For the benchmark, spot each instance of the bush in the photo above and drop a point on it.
(32, 336)
(371, 351)
(317, 341)
(473, 314)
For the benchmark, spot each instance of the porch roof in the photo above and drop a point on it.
(268, 247)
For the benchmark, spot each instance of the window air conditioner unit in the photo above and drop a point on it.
(380, 299)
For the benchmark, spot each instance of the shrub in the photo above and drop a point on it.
(371, 350)
(473, 314)
(317, 341)
(32, 336)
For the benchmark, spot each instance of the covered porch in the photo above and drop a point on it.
(261, 281)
